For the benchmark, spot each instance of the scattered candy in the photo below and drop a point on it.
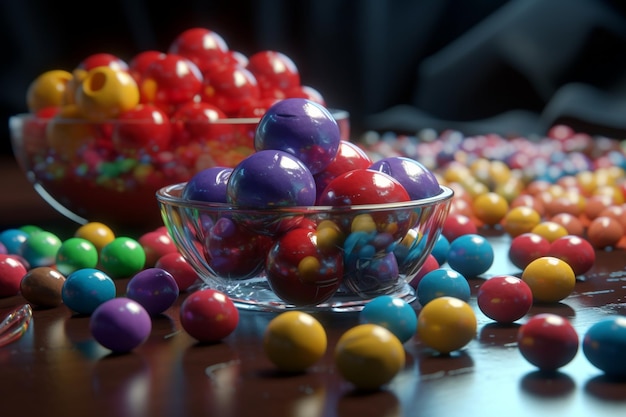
(97, 233)
(442, 282)
(504, 298)
(11, 273)
(527, 247)
(40, 249)
(208, 315)
(548, 341)
(471, 255)
(76, 253)
(604, 232)
(42, 287)
(576, 251)
(369, 356)
(446, 324)
(120, 324)
(394, 314)
(294, 341)
(155, 289)
(182, 272)
(155, 244)
(550, 279)
(84, 290)
(122, 257)
(604, 345)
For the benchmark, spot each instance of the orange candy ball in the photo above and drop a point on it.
(604, 232)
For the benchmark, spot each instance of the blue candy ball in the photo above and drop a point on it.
(604, 345)
(208, 185)
(85, 289)
(471, 255)
(442, 282)
(393, 313)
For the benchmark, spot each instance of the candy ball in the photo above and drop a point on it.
(84, 290)
(76, 253)
(369, 356)
(123, 257)
(97, 233)
(504, 298)
(490, 208)
(604, 345)
(418, 180)
(120, 324)
(47, 90)
(604, 232)
(182, 271)
(548, 341)
(430, 264)
(12, 239)
(105, 92)
(294, 341)
(442, 282)
(576, 251)
(441, 249)
(208, 185)
(520, 219)
(154, 288)
(271, 178)
(527, 247)
(394, 314)
(42, 286)
(550, 279)
(457, 225)
(470, 255)
(208, 315)
(11, 273)
(302, 128)
(549, 230)
(155, 244)
(40, 249)
(446, 324)
(363, 186)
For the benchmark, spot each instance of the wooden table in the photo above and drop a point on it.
(57, 369)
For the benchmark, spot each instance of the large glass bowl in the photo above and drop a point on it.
(307, 258)
(84, 171)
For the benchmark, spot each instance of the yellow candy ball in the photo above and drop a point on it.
(47, 90)
(99, 234)
(105, 93)
(294, 341)
(369, 356)
(520, 220)
(550, 230)
(446, 324)
(550, 279)
(490, 208)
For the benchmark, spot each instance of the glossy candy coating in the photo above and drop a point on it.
(120, 324)
(11, 273)
(208, 185)
(446, 324)
(271, 178)
(204, 47)
(97, 233)
(519, 220)
(42, 287)
(155, 244)
(442, 282)
(273, 69)
(394, 314)
(504, 298)
(76, 253)
(40, 248)
(430, 264)
(47, 90)
(84, 290)
(208, 315)
(294, 341)
(457, 225)
(230, 87)
(604, 346)
(604, 232)
(369, 356)
(418, 180)
(471, 255)
(176, 264)
(144, 130)
(441, 249)
(576, 251)
(302, 128)
(550, 279)
(363, 186)
(549, 230)
(527, 247)
(123, 257)
(154, 288)
(548, 341)
(12, 239)
(103, 59)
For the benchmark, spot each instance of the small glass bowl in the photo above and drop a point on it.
(307, 258)
(79, 169)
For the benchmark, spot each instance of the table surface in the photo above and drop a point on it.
(57, 369)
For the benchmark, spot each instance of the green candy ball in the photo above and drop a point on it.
(123, 257)
(76, 253)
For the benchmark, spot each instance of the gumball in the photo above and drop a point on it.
(11, 273)
(470, 255)
(47, 90)
(105, 93)
(120, 324)
(369, 356)
(274, 69)
(208, 315)
(550, 279)
(430, 264)
(441, 249)
(527, 247)
(197, 123)
(155, 244)
(604, 346)
(442, 282)
(299, 272)
(604, 232)
(230, 87)
(42, 287)
(490, 208)
(97, 233)
(142, 130)
(208, 185)
(457, 225)
(204, 47)
(571, 223)
(418, 181)
(12, 240)
(76, 253)
(349, 156)
(123, 257)
(446, 324)
(40, 249)
(576, 251)
(271, 178)
(394, 314)
(103, 59)
(547, 341)
(294, 341)
(85, 289)
(302, 128)
(181, 270)
(504, 298)
(549, 230)
(519, 220)
(138, 64)
(154, 288)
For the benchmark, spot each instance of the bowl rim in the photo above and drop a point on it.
(165, 197)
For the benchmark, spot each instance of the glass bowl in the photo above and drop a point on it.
(307, 258)
(92, 171)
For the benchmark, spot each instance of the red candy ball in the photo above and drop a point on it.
(363, 186)
(230, 87)
(548, 341)
(527, 247)
(504, 298)
(11, 273)
(208, 315)
(457, 225)
(156, 244)
(576, 251)
(274, 70)
(145, 129)
(182, 271)
(204, 47)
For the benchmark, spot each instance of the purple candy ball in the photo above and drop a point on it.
(271, 178)
(302, 128)
(154, 288)
(418, 180)
(120, 324)
(208, 185)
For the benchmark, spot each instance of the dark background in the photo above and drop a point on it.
(513, 66)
